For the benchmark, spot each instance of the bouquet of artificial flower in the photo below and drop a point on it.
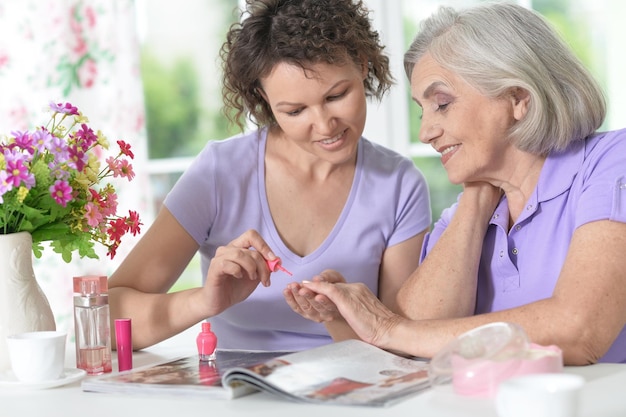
(54, 186)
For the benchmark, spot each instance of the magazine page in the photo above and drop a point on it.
(183, 376)
(351, 372)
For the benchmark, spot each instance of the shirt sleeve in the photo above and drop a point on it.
(190, 200)
(440, 225)
(603, 194)
(413, 212)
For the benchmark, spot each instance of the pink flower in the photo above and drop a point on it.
(127, 170)
(85, 136)
(66, 108)
(4, 185)
(108, 205)
(78, 157)
(93, 215)
(24, 141)
(61, 191)
(18, 172)
(120, 168)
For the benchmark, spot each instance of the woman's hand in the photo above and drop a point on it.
(483, 195)
(310, 305)
(364, 313)
(236, 270)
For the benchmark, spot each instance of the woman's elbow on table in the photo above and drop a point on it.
(584, 344)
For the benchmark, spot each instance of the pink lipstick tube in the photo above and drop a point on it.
(123, 337)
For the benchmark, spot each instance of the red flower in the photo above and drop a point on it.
(125, 149)
(133, 222)
(117, 229)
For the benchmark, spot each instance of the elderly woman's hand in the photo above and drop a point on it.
(370, 319)
(486, 194)
(309, 304)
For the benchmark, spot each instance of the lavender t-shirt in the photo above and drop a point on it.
(583, 184)
(222, 195)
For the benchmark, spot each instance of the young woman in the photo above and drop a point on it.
(304, 187)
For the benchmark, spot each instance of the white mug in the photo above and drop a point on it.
(539, 395)
(37, 356)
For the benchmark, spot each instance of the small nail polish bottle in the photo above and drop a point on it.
(206, 341)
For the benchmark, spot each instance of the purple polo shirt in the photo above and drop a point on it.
(585, 183)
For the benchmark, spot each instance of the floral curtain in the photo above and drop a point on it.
(85, 52)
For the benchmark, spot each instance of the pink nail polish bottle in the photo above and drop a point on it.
(206, 341)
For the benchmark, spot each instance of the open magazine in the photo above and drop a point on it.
(344, 373)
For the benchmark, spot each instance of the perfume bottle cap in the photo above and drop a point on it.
(90, 285)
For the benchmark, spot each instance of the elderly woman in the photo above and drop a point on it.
(538, 235)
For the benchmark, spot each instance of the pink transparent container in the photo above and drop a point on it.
(476, 362)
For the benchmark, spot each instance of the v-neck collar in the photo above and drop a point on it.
(267, 215)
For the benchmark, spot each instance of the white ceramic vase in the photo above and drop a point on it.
(23, 305)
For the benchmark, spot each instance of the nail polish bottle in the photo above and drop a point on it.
(91, 324)
(206, 341)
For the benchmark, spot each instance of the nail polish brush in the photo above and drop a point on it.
(274, 265)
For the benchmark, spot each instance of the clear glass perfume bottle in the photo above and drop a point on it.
(92, 324)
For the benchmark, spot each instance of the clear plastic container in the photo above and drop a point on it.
(477, 361)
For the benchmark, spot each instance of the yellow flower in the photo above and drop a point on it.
(102, 140)
(92, 168)
(82, 180)
(22, 192)
(80, 118)
(59, 131)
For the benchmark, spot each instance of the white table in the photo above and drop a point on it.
(604, 395)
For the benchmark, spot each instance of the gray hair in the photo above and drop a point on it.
(498, 47)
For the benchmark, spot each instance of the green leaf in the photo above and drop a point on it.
(51, 231)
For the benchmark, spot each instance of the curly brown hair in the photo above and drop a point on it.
(300, 32)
